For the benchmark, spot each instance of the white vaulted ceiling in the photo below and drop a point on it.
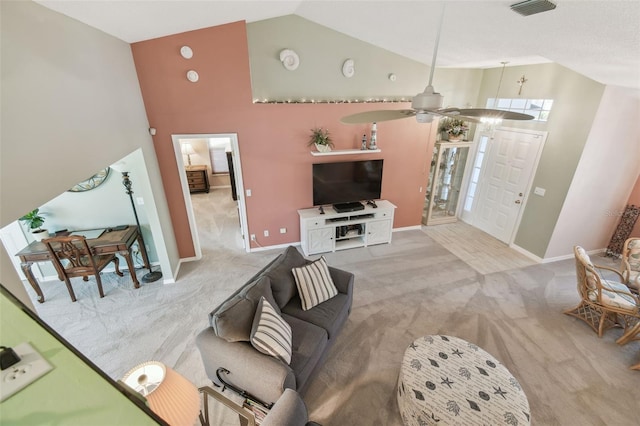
(599, 39)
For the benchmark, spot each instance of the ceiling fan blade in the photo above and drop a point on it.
(377, 116)
(494, 113)
(453, 113)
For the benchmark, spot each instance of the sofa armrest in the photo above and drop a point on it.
(289, 410)
(343, 280)
(263, 376)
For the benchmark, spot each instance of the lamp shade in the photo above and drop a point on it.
(169, 395)
(187, 149)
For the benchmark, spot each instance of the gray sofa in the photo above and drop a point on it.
(289, 410)
(226, 343)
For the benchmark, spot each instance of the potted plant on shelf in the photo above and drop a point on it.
(321, 139)
(35, 221)
(453, 129)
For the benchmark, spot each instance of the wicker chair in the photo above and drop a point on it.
(631, 264)
(604, 303)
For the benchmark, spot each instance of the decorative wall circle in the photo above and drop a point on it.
(91, 183)
(186, 52)
(192, 76)
(348, 68)
(289, 59)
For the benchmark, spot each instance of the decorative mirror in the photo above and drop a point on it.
(93, 182)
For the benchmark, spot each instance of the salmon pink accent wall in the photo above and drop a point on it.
(635, 200)
(276, 161)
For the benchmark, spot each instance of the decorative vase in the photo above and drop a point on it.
(323, 148)
(454, 138)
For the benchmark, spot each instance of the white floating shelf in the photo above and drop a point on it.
(345, 152)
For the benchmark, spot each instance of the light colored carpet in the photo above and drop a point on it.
(410, 288)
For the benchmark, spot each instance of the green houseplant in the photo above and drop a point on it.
(321, 139)
(453, 128)
(34, 221)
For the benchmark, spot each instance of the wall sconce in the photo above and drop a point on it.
(188, 150)
(192, 76)
(348, 68)
(289, 59)
(186, 52)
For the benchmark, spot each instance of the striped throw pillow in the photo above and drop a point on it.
(270, 334)
(314, 283)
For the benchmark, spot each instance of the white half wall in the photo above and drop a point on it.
(605, 176)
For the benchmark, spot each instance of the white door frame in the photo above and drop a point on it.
(525, 199)
(237, 168)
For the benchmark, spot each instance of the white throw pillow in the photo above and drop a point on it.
(271, 334)
(314, 283)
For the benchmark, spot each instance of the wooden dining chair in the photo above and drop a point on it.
(72, 257)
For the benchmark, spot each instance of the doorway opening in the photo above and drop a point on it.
(211, 179)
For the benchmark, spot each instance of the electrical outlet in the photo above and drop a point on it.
(31, 367)
(283, 230)
(253, 237)
(266, 232)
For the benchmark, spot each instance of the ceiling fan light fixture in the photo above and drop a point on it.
(424, 117)
(531, 7)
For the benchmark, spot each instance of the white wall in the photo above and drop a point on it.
(71, 105)
(607, 171)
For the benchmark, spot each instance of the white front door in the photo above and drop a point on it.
(504, 180)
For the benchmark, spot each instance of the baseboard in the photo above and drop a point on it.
(408, 228)
(571, 256)
(278, 246)
(526, 253)
(550, 259)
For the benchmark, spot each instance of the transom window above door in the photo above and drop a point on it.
(538, 108)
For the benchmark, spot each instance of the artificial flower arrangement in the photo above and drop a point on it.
(453, 126)
(321, 139)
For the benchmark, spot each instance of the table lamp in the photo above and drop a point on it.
(188, 150)
(168, 394)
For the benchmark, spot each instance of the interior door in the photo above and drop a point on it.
(505, 178)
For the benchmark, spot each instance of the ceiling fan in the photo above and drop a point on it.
(428, 104)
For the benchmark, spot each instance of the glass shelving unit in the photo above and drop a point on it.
(445, 181)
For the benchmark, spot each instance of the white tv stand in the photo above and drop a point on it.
(331, 231)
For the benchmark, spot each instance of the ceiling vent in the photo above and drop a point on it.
(531, 7)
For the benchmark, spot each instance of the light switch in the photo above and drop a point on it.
(248, 193)
(539, 191)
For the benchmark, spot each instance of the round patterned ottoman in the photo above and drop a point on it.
(446, 380)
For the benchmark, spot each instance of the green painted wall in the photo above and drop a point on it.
(70, 394)
(322, 52)
(576, 101)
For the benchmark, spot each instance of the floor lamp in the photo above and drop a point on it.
(151, 276)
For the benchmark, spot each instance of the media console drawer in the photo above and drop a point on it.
(331, 231)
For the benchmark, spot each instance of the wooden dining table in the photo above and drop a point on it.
(112, 240)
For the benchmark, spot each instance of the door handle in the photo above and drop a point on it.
(518, 201)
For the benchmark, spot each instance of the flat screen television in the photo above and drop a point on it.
(346, 182)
